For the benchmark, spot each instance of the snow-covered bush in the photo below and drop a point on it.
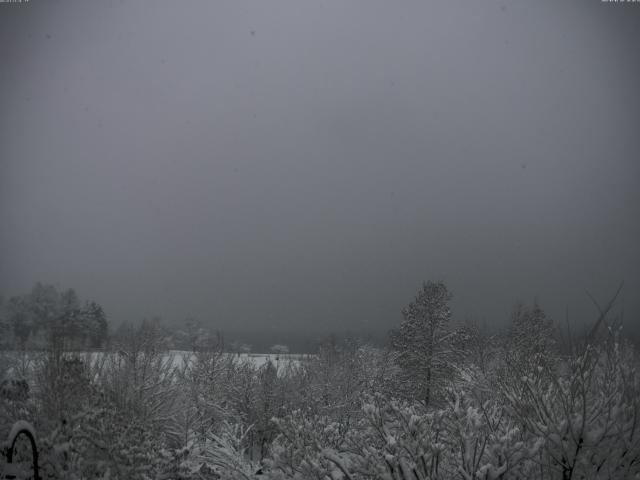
(15, 401)
(100, 442)
(63, 385)
(225, 453)
(586, 413)
(394, 439)
(140, 379)
(484, 442)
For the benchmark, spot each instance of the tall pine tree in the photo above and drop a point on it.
(424, 343)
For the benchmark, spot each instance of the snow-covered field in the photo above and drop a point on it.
(12, 361)
(257, 359)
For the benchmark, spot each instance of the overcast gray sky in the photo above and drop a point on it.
(307, 164)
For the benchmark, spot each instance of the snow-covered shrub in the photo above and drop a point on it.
(484, 442)
(63, 386)
(140, 380)
(332, 382)
(15, 402)
(387, 439)
(297, 452)
(396, 440)
(101, 442)
(201, 400)
(586, 413)
(225, 453)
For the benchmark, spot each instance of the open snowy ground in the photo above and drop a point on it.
(18, 363)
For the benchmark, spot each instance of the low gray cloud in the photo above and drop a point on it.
(306, 165)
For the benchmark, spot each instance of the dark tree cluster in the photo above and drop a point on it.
(48, 316)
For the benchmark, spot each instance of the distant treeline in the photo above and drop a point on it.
(47, 315)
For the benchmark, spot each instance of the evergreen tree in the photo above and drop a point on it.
(96, 324)
(530, 340)
(424, 343)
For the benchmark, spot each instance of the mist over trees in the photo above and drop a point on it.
(441, 401)
(46, 315)
(321, 240)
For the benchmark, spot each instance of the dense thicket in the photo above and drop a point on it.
(442, 402)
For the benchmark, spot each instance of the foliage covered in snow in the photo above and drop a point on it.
(507, 407)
